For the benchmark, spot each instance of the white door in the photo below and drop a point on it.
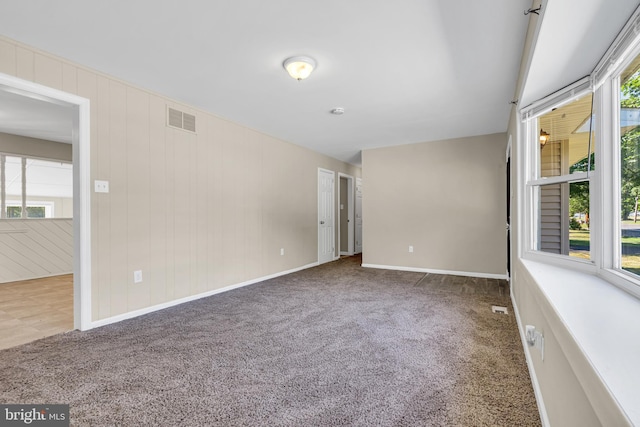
(326, 213)
(358, 215)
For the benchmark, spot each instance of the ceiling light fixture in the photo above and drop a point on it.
(299, 67)
(544, 138)
(338, 111)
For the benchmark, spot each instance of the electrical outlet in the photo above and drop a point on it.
(535, 339)
(281, 251)
(101, 186)
(137, 276)
(410, 249)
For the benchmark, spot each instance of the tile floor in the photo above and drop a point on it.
(34, 309)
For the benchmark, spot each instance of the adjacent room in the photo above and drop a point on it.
(332, 213)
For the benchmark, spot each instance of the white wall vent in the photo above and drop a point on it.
(181, 120)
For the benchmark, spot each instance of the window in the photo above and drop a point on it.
(35, 188)
(564, 145)
(629, 128)
(581, 170)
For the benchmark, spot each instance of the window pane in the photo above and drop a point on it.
(35, 212)
(49, 189)
(630, 168)
(565, 142)
(563, 220)
(14, 212)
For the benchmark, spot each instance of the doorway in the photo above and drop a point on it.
(326, 216)
(509, 208)
(81, 185)
(358, 214)
(345, 214)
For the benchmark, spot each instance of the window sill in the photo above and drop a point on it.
(604, 321)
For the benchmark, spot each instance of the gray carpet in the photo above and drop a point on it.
(333, 345)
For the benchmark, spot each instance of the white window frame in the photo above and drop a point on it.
(604, 181)
(610, 263)
(532, 180)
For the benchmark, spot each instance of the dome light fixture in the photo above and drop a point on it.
(338, 111)
(299, 67)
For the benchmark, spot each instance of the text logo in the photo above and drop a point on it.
(34, 415)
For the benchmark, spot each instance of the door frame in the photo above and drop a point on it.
(333, 210)
(358, 182)
(350, 214)
(509, 191)
(81, 187)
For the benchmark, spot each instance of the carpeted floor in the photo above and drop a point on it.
(333, 345)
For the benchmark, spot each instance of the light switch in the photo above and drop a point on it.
(101, 186)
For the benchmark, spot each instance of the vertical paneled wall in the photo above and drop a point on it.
(35, 248)
(194, 212)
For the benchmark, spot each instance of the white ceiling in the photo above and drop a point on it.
(33, 117)
(405, 72)
(573, 38)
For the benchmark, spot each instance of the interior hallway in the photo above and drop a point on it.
(34, 309)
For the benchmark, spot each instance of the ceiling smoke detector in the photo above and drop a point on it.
(338, 111)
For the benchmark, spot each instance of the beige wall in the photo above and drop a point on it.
(34, 147)
(444, 198)
(194, 212)
(565, 378)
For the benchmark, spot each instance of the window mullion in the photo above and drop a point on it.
(574, 177)
(24, 187)
(3, 187)
(606, 198)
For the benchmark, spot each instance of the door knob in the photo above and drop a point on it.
(321, 222)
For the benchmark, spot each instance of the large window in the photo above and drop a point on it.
(564, 145)
(34, 188)
(582, 171)
(629, 128)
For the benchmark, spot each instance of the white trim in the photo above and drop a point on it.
(435, 271)
(574, 177)
(81, 190)
(565, 261)
(626, 281)
(350, 214)
(526, 66)
(537, 391)
(157, 307)
(557, 99)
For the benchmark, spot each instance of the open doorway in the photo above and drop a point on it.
(21, 103)
(346, 212)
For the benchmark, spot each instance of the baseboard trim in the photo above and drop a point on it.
(434, 271)
(147, 310)
(544, 418)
